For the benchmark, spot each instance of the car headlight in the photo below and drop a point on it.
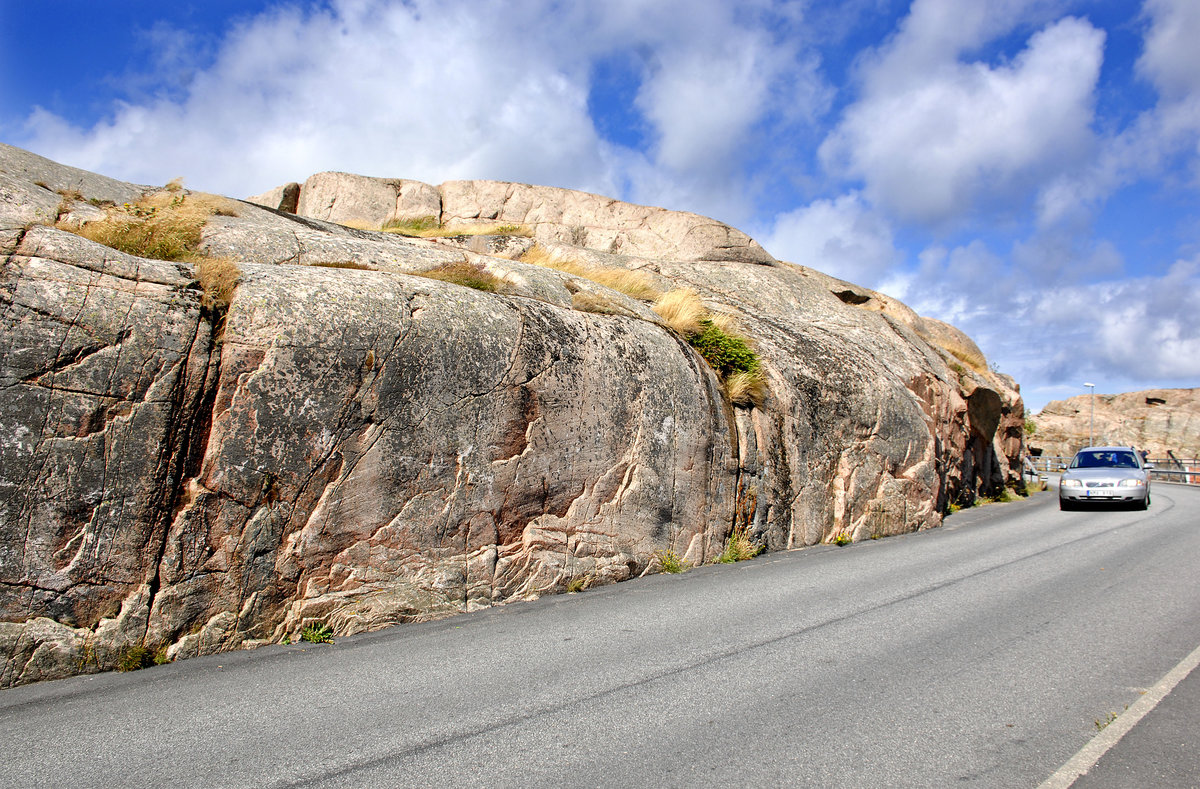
(1132, 483)
(1071, 483)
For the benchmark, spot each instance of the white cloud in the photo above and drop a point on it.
(1171, 59)
(1160, 138)
(436, 90)
(1084, 322)
(841, 237)
(1141, 328)
(934, 137)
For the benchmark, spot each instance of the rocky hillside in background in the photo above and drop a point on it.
(289, 420)
(1160, 421)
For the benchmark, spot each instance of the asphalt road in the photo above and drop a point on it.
(979, 654)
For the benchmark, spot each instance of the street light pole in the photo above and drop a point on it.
(1092, 418)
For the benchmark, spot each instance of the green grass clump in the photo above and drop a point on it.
(739, 547)
(470, 275)
(842, 538)
(672, 562)
(319, 633)
(140, 656)
(717, 338)
(725, 353)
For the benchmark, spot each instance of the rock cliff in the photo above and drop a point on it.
(1160, 421)
(324, 431)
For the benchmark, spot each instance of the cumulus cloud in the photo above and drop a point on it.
(934, 136)
(842, 237)
(1051, 328)
(1160, 139)
(458, 89)
(1141, 328)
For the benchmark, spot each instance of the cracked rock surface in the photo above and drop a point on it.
(358, 446)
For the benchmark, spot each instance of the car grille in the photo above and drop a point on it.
(1100, 484)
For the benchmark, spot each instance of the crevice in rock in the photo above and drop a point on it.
(185, 446)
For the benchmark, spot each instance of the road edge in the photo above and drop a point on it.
(1088, 755)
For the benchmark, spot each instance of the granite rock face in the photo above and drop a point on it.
(1161, 421)
(349, 444)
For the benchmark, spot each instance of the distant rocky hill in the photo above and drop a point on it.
(1157, 420)
(251, 421)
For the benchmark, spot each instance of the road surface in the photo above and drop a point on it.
(981, 654)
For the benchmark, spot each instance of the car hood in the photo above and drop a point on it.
(1103, 474)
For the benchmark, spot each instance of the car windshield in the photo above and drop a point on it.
(1104, 459)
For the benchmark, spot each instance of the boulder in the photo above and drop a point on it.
(1160, 421)
(340, 441)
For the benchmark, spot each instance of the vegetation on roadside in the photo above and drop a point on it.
(579, 583)
(317, 633)
(842, 537)
(739, 547)
(672, 562)
(139, 656)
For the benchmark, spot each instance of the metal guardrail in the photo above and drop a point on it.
(1166, 469)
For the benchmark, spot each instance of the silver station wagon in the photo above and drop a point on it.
(1113, 475)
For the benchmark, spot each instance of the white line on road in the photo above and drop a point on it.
(1089, 754)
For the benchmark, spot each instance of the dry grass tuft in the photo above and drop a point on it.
(164, 225)
(746, 387)
(430, 227)
(351, 264)
(594, 302)
(727, 323)
(471, 275)
(218, 278)
(635, 284)
(968, 357)
(681, 310)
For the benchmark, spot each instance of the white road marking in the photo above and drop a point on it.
(1089, 754)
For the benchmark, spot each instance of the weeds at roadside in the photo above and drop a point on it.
(739, 547)
(140, 656)
(672, 562)
(318, 633)
(842, 538)
(579, 583)
(1102, 723)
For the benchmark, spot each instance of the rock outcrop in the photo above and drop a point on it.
(1160, 421)
(345, 443)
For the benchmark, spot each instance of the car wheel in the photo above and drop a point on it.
(1145, 505)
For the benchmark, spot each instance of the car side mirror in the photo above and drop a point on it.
(1148, 466)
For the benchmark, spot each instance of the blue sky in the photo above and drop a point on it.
(1028, 170)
